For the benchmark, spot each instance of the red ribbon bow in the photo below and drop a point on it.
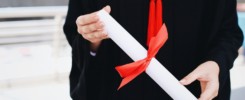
(130, 71)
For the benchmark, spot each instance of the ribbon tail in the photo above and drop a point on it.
(127, 79)
(133, 75)
(128, 69)
(151, 22)
(158, 41)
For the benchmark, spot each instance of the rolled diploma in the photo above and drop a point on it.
(137, 52)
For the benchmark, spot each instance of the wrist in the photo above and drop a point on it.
(94, 46)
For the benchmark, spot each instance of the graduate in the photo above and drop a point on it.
(203, 42)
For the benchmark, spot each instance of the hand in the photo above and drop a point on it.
(91, 28)
(208, 75)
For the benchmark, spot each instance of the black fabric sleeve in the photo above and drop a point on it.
(224, 49)
(70, 28)
(81, 57)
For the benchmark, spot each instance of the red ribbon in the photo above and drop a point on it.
(130, 71)
(155, 19)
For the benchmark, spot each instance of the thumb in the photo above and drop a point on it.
(107, 9)
(189, 78)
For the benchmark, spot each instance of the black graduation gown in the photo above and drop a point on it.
(199, 31)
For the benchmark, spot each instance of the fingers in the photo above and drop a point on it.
(100, 34)
(190, 78)
(203, 86)
(90, 18)
(95, 36)
(107, 9)
(208, 75)
(87, 19)
(211, 90)
(90, 28)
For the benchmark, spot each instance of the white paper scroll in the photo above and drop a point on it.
(137, 52)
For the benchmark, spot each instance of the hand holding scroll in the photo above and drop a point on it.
(208, 75)
(91, 28)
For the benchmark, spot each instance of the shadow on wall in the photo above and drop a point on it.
(238, 94)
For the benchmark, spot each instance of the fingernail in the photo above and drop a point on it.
(182, 81)
(106, 7)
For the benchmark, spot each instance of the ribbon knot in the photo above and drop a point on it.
(130, 71)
